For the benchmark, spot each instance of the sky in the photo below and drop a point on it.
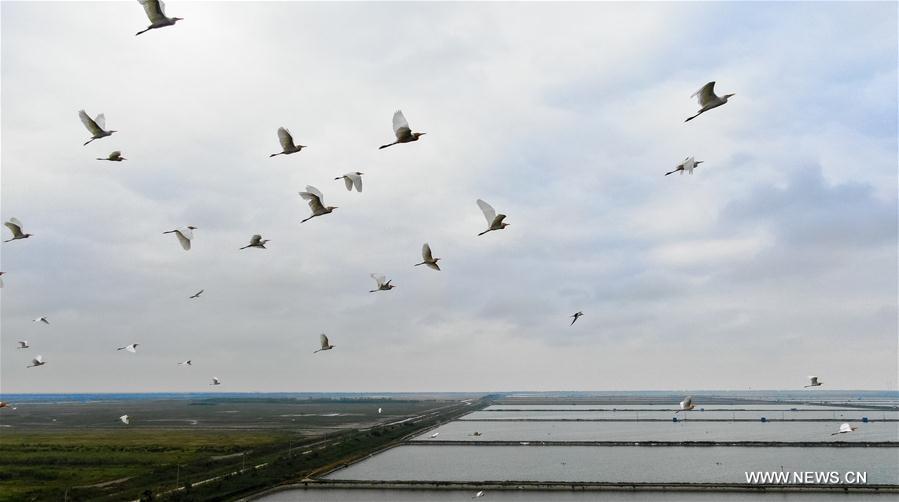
(776, 260)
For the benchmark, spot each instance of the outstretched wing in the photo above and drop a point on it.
(315, 201)
(706, 94)
(400, 125)
(348, 181)
(379, 278)
(323, 339)
(356, 181)
(315, 191)
(689, 164)
(255, 239)
(426, 252)
(155, 9)
(89, 123)
(498, 220)
(285, 139)
(184, 239)
(487, 209)
(14, 226)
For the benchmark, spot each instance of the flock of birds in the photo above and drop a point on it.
(155, 11)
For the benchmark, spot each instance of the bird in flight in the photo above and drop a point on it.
(216, 381)
(130, 348)
(435, 435)
(287, 145)
(37, 361)
(708, 99)
(197, 294)
(155, 10)
(382, 285)
(256, 241)
(96, 126)
(323, 339)
(315, 197)
(1, 280)
(185, 363)
(427, 258)
(125, 419)
(42, 319)
(184, 235)
(844, 429)
(685, 405)
(15, 226)
(23, 344)
(115, 156)
(813, 382)
(402, 131)
(479, 494)
(494, 221)
(352, 180)
(686, 166)
(576, 316)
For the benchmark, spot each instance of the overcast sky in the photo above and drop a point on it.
(776, 260)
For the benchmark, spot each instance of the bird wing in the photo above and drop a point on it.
(14, 227)
(116, 154)
(183, 239)
(200, 292)
(348, 181)
(356, 181)
(315, 203)
(487, 209)
(379, 278)
(101, 121)
(38, 359)
(400, 123)
(426, 252)
(323, 339)
(689, 164)
(315, 191)
(285, 139)
(154, 9)
(706, 94)
(255, 239)
(89, 123)
(845, 428)
(498, 220)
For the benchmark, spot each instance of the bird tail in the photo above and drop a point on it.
(389, 144)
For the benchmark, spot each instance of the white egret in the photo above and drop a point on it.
(184, 235)
(379, 411)
(37, 361)
(41, 319)
(323, 339)
(96, 126)
(115, 156)
(155, 10)
(494, 221)
(844, 429)
(23, 344)
(197, 294)
(382, 285)
(813, 382)
(435, 435)
(256, 241)
(315, 197)
(130, 348)
(185, 363)
(479, 494)
(125, 419)
(1, 280)
(287, 145)
(427, 258)
(15, 226)
(216, 381)
(402, 131)
(686, 166)
(686, 405)
(576, 316)
(708, 99)
(352, 180)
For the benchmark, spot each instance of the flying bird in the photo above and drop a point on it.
(155, 10)
(323, 339)
(185, 363)
(41, 319)
(197, 294)
(23, 344)
(314, 196)
(96, 126)
(401, 128)
(685, 405)
(844, 429)
(427, 258)
(216, 381)
(125, 419)
(287, 145)
(813, 382)
(15, 226)
(184, 235)
(576, 316)
(435, 435)
(494, 221)
(382, 286)
(708, 99)
(37, 361)
(686, 166)
(115, 156)
(130, 348)
(352, 180)
(479, 494)
(256, 241)
(1, 280)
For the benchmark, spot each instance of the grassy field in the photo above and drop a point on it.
(80, 449)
